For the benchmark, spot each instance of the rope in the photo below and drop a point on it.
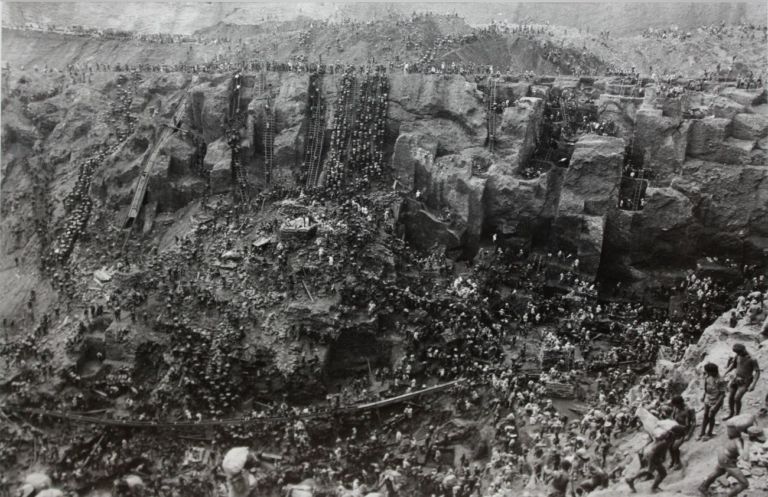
(79, 418)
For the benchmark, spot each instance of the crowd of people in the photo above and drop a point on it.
(357, 140)
(226, 306)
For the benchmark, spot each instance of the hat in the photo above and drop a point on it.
(739, 347)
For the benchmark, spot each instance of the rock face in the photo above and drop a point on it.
(710, 208)
(288, 101)
(424, 230)
(708, 191)
(731, 204)
(724, 108)
(518, 129)
(413, 154)
(218, 162)
(589, 191)
(744, 97)
(208, 107)
(661, 142)
(706, 136)
(583, 235)
(445, 184)
(620, 111)
(514, 206)
(454, 99)
(181, 154)
(665, 230)
(590, 185)
(453, 186)
(751, 127)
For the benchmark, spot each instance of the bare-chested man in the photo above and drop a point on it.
(747, 375)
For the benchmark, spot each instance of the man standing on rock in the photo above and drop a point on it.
(747, 375)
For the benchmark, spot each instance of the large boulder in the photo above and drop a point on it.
(591, 183)
(171, 192)
(413, 156)
(217, 161)
(450, 109)
(749, 126)
(706, 136)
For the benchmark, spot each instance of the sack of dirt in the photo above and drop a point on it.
(741, 422)
(51, 492)
(38, 480)
(648, 420)
(234, 460)
(664, 427)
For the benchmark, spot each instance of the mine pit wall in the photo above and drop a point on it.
(709, 194)
(709, 191)
(437, 130)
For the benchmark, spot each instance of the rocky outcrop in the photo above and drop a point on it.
(413, 155)
(426, 231)
(710, 208)
(620, 111)
(289, 102)
(749, 126)
(665, 230)
(456, 99)
(661, 142)
(590, 185)
(589, 191)
(731, 203)
(706, 136)
(515, 206)
(218, 159)
(181, 155)
(208, 107)
(724, 108)
(744, 97)
(453, 186)
(583, 235)
(517, 132)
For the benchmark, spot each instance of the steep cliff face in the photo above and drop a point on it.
(708, 193)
